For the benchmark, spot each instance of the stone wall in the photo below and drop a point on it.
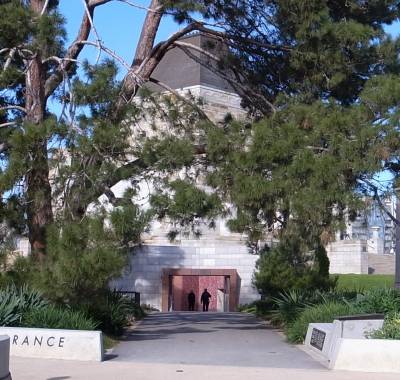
(381, 264)
(144, 272)
(348, 256)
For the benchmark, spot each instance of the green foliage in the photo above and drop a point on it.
(285, 267)
(16, 302)
(390, 329)
(129, 222)
(186, 205)
(113, 311)
(168, 153)
(53, 317)
(380, 300)
(314, 48)
(288, 305)
(82, 259)
(324, 313)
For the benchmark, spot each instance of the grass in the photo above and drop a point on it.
(109, 341)
(364, 281)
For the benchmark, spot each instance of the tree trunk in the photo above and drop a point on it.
(38, 190)
(143, 50)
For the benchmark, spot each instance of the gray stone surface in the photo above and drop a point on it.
(37, 369)
(144, 272)
(226, 339)
(4, 357)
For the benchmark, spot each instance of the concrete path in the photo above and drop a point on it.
(35, 369)
(193, 346)
(227, 339)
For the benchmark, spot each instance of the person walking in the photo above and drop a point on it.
(205, 299)
(191, 300)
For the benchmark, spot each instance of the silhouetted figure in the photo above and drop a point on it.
(191, 300)
(205, 299)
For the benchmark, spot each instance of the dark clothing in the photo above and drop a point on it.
(191, 301)
(205, 300)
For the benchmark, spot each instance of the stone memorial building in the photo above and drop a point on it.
(164, 272)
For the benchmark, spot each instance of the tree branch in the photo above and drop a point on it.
(11, 107)
(138, 6)
(379, 200)
(144, 68)
(75, 48)
(241, 89)
(8, 124)
(46, 4)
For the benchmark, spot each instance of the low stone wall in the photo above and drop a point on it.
(54, 343)
(5, 358)
(381, 264)
(348, 256)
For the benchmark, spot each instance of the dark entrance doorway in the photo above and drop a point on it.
(222, 284)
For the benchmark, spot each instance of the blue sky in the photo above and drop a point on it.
(118, 24)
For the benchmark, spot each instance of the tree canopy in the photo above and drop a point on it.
(319, 78)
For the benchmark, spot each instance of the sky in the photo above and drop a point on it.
(118, 25)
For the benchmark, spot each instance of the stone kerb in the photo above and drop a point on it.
(54, 343)
(5, 358)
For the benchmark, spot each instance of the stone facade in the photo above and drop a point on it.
(348, 256)
(358, 257)
(144, 272)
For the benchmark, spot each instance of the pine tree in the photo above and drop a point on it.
(304, 65)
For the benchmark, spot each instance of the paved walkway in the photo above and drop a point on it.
(194, 346)
(34, 369)
(228, 339)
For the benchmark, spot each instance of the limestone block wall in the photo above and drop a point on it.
(348, 256)
(381, 264)
(144, 272)
(217, 103)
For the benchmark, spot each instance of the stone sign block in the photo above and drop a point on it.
(343, 344)
(54, 343)
(319, 338)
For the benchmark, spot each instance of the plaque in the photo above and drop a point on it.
(317, 339)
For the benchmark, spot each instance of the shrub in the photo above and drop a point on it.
(81, 260)
(380, 300)
(53, 317)
(285, 267)
(325, 312)
(390, 329)
(14, 302)
(114, 311)
(289, 305)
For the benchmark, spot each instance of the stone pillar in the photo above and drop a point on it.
(377, 242)
(5, 357)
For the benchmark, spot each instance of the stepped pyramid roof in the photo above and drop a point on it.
(179, 70)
